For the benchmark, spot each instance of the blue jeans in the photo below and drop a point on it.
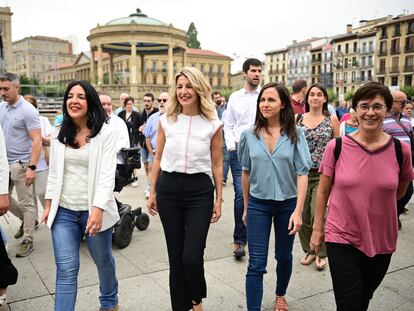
(226, 162)
(239, 234)
(67, 230)
(260, 215)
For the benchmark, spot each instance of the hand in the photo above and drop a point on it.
(4, 204)
(152, 205)
(232, 149)
(30, 176)
(316, 240)
(244, 217)
(141, 129)
(94, 223)
(45, 215)
(216, 211)
(295, 222)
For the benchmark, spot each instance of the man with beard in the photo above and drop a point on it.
(151, 129)
(299, 89)
(146, 113)
(239, 116)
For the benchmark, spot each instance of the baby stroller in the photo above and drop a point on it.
(129, 218)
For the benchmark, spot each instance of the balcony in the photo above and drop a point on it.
(394, 69)
(408, 68)
(394, 51)
(409, 49)
(316, 60)
(382, 52)
(381, 71)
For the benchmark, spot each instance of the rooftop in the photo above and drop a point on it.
(137, 18)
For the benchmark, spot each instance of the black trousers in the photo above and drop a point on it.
(355, 276)
(8, 273)
(185, 205)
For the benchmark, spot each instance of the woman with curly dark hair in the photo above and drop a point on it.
(79, 195)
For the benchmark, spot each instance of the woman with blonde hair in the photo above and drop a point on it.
(187, 160)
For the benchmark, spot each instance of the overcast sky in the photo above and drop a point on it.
(235, 28)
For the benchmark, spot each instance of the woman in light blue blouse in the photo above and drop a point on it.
(275, 160)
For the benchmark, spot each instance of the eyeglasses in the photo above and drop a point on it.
(162, 100)
(366, 107)
(403, 101)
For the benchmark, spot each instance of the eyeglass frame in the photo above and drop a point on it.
(368, 107)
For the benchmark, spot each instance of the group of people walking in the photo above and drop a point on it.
(289, 166)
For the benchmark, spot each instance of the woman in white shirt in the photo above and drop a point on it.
(188, 158)
(79, 195)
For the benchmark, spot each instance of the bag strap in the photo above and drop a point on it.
(409, 132)
(398, 152)
(338, 147)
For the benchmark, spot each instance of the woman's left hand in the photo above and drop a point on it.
(94, 223)
(216, 211)
(295, 222)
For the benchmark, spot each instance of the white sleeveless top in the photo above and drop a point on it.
(75, 179)
(187, 144)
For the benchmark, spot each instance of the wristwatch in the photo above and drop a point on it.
(32, 167)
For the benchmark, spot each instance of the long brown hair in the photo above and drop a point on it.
(325, 110)
(287, 118)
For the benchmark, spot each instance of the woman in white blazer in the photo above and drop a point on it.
(79, 195)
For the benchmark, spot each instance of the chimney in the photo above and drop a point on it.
(349, 28)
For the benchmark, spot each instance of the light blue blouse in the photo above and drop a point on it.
(273, 174)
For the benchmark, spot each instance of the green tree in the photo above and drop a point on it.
(331, 96)
(226, 93)
(192, 41)
(349, 95)
(409, 90)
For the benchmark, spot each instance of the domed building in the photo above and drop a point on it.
(139, 54)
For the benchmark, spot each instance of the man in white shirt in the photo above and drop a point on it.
(118, 124)
(240, 115)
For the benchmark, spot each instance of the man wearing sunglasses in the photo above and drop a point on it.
(151, 129)
(398, 125)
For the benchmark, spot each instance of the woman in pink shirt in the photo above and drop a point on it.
(362, 185)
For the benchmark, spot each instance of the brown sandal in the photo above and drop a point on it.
(281, 304)
(307, 259)
(320, 263)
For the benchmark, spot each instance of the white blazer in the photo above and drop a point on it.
(101, 175)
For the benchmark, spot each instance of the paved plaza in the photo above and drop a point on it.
(142, 270)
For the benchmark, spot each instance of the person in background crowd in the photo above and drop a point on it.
(398, 125)
(299, 88)
(22, 133)
(239, 116)
(350, 125)
(151, 128)
(149, 110)
(181, 189)
(408, 110)
(319, 127)
(342, 109)
(79, 195)
(42, 170)
(221, 107)
(121, 103)
(8, 273)
(272, 193)
(118, 124)
(132, 120)
(361, 225)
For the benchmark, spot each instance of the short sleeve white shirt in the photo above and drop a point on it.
(187, 144)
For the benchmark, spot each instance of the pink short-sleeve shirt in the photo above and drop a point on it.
(362, 205)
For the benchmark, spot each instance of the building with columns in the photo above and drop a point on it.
(139, 54)
(6, 49)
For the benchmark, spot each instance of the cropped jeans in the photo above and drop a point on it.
(67, 230)
(260, 216)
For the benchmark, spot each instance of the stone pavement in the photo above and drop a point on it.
(142, 270)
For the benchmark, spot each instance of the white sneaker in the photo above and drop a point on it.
(135, 184)
(3, 301)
